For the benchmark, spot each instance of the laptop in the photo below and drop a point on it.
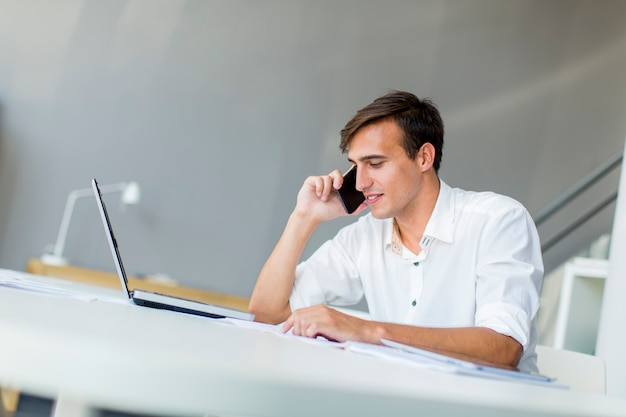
(152, 299)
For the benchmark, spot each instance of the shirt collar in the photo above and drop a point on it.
(388, 232)
(441, 223)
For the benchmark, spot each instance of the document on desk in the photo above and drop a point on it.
(435, 361)
(21, 281)
(277, 330)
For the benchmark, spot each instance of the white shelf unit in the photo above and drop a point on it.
(580, 303)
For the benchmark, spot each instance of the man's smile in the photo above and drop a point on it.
(372, 198)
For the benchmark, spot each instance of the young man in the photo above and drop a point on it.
(444, 269)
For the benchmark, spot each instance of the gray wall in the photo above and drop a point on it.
(220, 109)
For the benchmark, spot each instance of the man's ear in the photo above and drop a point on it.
(426, 156)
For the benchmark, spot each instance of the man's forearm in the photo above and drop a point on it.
(476, 344)
(270, 298)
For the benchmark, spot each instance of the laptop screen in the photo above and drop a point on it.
(111, 237)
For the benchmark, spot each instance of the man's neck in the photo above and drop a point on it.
(411, 226)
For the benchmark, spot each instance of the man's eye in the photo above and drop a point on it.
(376, 164)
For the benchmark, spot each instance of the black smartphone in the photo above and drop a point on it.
(348, 194)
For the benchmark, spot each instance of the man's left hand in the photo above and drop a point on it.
(321, 320)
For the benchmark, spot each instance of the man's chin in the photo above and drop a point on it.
(379, 214)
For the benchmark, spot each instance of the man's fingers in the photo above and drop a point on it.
(337, 177)
(328, 188)
(288, 324)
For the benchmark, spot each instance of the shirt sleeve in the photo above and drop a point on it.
(509, 273)
(329, 276)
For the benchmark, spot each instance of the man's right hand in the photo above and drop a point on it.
(318, 199)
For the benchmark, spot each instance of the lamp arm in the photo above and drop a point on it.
(65, 223)
(69, 210)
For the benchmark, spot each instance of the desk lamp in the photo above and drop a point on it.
(131, 194)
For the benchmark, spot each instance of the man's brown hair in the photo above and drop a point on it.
(418, 119)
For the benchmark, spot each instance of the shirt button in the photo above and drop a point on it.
(416, 263)
(414, 303)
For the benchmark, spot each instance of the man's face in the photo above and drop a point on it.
(390, 180)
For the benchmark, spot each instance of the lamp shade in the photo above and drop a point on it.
(131, 194)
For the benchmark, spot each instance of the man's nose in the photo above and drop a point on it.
(362, 180)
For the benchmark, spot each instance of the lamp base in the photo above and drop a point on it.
(51, 259)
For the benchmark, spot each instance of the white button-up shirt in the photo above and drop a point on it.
(480, 265)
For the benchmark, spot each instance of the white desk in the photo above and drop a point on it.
(138, 359)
